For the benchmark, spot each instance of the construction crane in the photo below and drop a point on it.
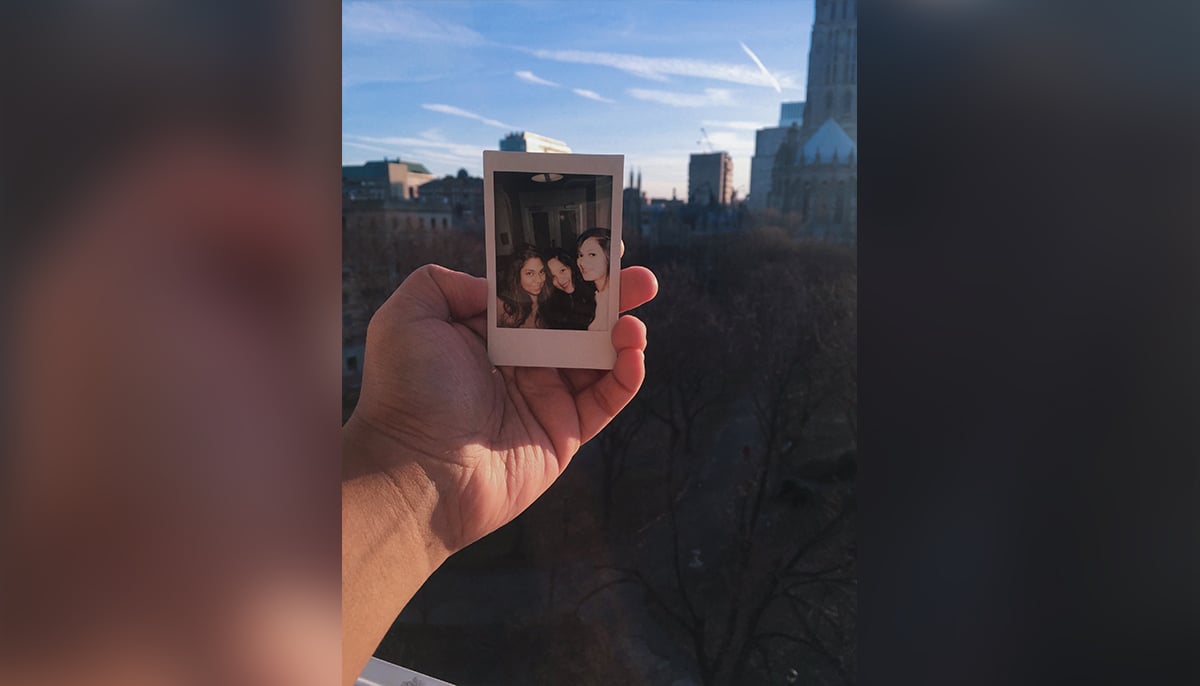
(705, 140)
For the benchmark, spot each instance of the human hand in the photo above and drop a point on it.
(477, 443)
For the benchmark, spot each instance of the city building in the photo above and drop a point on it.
(815, 170)
(832, 89)
(710, 179)
(791, 113)
(524, 141)
(633, 202)
(376, 236)
(663, 221)
(386, 179)
(818, 178)
(393, 215)
(462, 194)
(766, 143)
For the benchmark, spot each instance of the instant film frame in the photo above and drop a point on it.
(548, 200)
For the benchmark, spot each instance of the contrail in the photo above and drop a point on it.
(757, 61)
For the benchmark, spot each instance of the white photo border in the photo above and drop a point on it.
(552, 347)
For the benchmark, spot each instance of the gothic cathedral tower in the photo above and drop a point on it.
(815, 174)
(833, 68)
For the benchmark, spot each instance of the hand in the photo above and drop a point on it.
(489, 440)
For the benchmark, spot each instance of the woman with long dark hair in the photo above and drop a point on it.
(522, 291)
(572, 301)
(592, 259)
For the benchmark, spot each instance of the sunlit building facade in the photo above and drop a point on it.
(389, 179)
(524, 141)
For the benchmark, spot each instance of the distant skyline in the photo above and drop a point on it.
(439, 82)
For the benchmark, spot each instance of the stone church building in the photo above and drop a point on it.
(815, 170)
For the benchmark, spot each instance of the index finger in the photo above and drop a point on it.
(638, 286)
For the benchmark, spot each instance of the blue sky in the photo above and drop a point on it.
(439, 82)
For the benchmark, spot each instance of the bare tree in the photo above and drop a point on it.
(779, 590)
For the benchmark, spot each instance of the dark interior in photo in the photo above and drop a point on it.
(549, 210)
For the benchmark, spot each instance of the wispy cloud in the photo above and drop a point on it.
(761, 67)
(735, 125)
(711, 96)
(530, 77)
(375, 148)
(590, 95)
(429, 147)
(534, 78)
(459, 112)
(393, 20)
(660, 68)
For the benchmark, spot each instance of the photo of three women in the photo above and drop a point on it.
(556, 288)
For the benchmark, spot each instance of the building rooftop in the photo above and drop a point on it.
(379, 168)
(828, 140)
(527, 141)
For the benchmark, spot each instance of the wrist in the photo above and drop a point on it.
(389, 503)
(388, 549)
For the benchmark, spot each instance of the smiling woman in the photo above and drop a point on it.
(572, 301)
(592, 257)
(523, 290)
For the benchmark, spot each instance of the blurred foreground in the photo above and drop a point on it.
(170, 499)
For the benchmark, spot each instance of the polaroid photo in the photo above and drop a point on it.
(553, 257)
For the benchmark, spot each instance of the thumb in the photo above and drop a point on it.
(434, 292)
